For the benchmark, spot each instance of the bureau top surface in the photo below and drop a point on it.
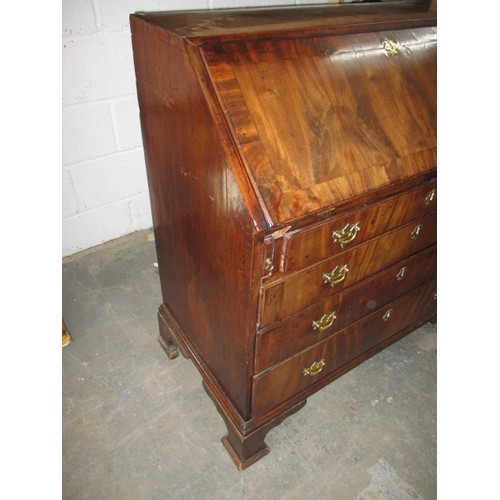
(221, 22)
(318, 114)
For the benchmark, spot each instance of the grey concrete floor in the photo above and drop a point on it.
(137, 425)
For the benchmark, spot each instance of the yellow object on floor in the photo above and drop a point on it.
(66, 337)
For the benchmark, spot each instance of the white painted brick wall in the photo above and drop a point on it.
(104, 179)
(87, 132)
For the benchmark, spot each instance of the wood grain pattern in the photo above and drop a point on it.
(264, 130)
(355, 118)
(296, 291)
(280, 383)
(197, 208)
(303, 248)
(261, 22)
(350, 305)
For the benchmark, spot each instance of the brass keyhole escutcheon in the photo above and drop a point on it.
(315, 368)
(326, 321)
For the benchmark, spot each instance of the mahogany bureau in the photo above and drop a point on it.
(291, 161)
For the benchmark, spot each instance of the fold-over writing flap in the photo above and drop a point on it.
(321, 120)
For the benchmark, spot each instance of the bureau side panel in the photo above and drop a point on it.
(204, 233)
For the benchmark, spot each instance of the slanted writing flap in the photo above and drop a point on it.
(324, 119)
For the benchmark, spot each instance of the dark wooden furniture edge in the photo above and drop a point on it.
(390, 15)
(256, 206)
(248, 447)
(245, 439)
(171, 333)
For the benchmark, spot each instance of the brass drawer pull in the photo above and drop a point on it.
(315, 368)
(390, 47)
(387, 315)
(430, 197)
(326, 321)
(346, 234)
(336, 276)
(416, 232)
(401, 273)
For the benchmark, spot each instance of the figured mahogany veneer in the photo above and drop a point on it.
(297, 332)
(295, 292)
(286, 381)
(291, 161)
(331, 149)
(302, 248)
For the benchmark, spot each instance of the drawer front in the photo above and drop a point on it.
(305, 247)
(303, 374)
(335, 313)
(300, 290)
